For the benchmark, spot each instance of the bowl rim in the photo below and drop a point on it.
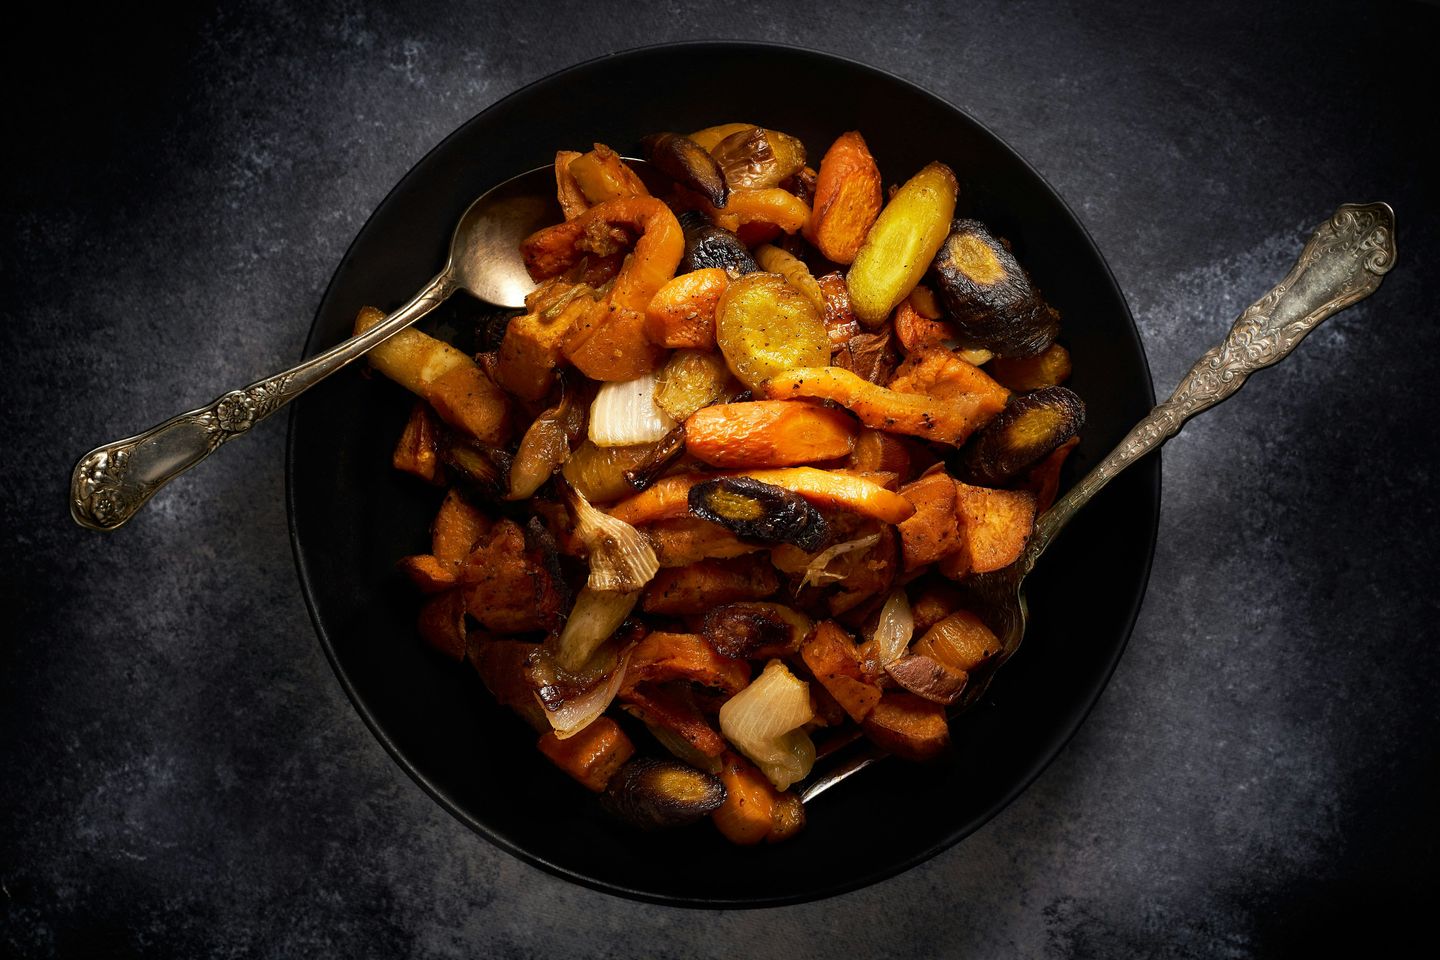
(822, 891)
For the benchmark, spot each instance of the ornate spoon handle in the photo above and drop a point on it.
(1343, 261)
(112, 482)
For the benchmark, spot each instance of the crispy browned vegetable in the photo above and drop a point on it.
(757, 157)
(908, 726)
(755, 630)
(533, 344)
(710, 137)
(830, 655)
(666, 499)
(1033, 425)
(989, 297)
(701, 586)
(869, 355)
(1048, 368)
(591, 756)
(939, 373)
(686, 162)
(928, 678)
(866, 575)
(692, 379)
(670, 712)
(417, 451)
(681, 315)
(916, 331)
(934, 530)
(685, 540)
(932, 601)
(547, 441)
(768, 433)
(847, 198)
(710, 247)
(759, 512)
(943, 419)
(455, 387)
(753, 809)
(835, 488)
(662, 656)
(901, 243)
(840, 322)
(480, 468)
(457, 528)
(657, 794)
(510, 586)
(765, 326)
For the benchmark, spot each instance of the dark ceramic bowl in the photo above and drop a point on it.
(352, 516)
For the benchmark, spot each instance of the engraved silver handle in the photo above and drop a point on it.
(112, 482)
(1343, 261)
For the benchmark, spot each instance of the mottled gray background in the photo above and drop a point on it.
(182, 774)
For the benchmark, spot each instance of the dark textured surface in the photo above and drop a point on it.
(181, 772)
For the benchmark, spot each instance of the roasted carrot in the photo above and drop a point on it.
(417, 451)
(1048, 368)
(591, 756)
(768, 433)
(939, 373)
(840, 322)
(681, 315)
(914, 330)
(753, 809)
(765, 205)
(665, 499)
(684, 540)
(455, 386)
(793, 269)
(672, 707)
(947, 420)
(878, 451)
(831, 656)
(847, 198)
(836, 489)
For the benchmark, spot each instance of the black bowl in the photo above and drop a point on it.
(352, 516)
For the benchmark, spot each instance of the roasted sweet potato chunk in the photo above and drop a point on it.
(458, 526)
(960, 640)
(663, 656)
(928, 678)
(442, 623)
(908, 726)
(701, 586)
(830, 655)
(670, 709)
(947, 376)
(429, 573)
(591, 756)
(934, 530)
(994, 526)
(1043, 479)
(753, 809)
(509, 587)
(681, 315)
(750, 630)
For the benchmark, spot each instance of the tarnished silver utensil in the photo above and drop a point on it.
(112, 482)
(1343, 262)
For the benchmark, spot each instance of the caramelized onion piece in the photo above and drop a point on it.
(621, 559)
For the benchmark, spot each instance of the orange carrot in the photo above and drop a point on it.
(768, 205)
(753, 809)
(681, 315)
(847, 198)
(768, 433)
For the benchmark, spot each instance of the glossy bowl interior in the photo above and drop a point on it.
(352, 516)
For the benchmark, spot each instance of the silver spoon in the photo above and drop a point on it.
(112, 482)
(1343, 262)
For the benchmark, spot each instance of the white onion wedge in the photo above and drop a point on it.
(764, 723)
(624, 413)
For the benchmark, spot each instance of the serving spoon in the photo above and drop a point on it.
(112, 482)
(1343, 261)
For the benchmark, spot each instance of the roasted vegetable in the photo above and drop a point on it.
(708, 246)
(757, 157)
(847, 199)
(669, 711)
(928, 678)
(596, 616)
(755, 630)
(753, 809)
(687, 163)
(500, 664)
(511, 584)
(479, 467)
(620, 558)
(934, 530)
(624, 414)
(657, 794)
(769, 207)
(455, 387)
(989, 297)
(1048, 368)
(1043, 479)
(682, 314)
(765, 722)
(533, 344)
(690, 379)
(547, 442)
(458, 527)
(663, 453)
(764, 327)
(710, 137)
(900, 245)
(908, 726)
(869, 355)
(429, 573)
(834, 488)
(592, 756)
(682, 541)
(774, 260)
(768, 433)
(567, 188)
(945, 420)
(948, 376)
(840, 322)
(662, 656)
(442, 623)
(830, 655)
(994, 525)
(680, 591)
(1026, 431)
(877, 451)
(759, 512)
(960, 641)
(599, 472)
(603, 175)
(665, 499)
(417, 451)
